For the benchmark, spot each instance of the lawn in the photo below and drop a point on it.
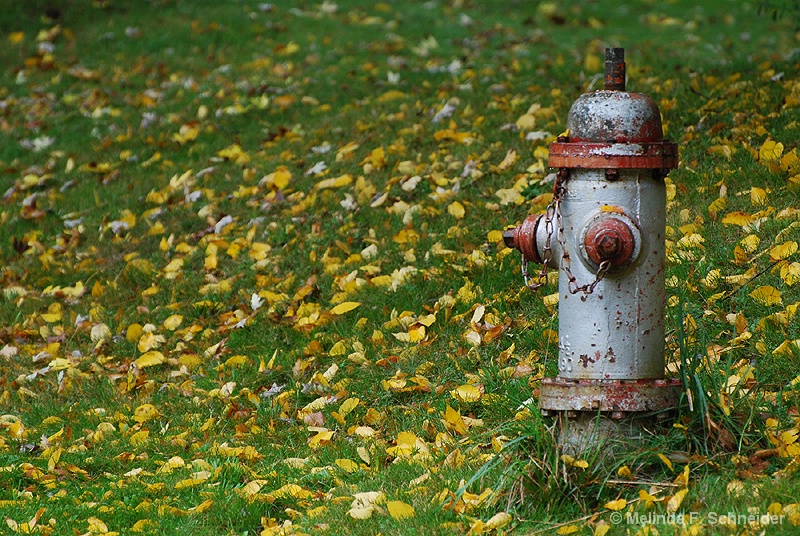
(254, 279)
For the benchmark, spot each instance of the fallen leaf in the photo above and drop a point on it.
(150, 359)
(616, 505)
(466, 393)
(456, 210)
(675, 501)
(344, 307)
(767, 295)
(400, 510)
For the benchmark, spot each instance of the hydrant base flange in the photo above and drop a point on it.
(613, 396)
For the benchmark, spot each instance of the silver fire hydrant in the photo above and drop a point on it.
(604, 232)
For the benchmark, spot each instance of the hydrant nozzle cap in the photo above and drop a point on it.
(523, 238)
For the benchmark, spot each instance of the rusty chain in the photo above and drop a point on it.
(554, 211)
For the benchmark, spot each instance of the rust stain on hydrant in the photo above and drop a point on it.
(605, 232)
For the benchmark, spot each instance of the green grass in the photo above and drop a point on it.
(133, 130)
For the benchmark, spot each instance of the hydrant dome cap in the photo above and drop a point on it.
(614, 117)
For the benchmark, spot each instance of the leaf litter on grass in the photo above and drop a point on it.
(254, 278)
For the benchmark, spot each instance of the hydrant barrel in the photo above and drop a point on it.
(617, 331)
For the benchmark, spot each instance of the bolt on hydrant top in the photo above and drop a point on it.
(614, 129)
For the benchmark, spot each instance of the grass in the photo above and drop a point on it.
(178, 352)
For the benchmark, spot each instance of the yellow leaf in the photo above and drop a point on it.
(616, 505)
(190, 482)
(790, 161)
(335, 182)
(144, 413)
(767, 295)
(133, 332)
(150, 340)
(456, 210)
(738, 218)
(278, 179)
(509, 160)
(174, 265)
(348, 406)
(152, 290)
(339, 348)
(97, 526)
(173, 322)
(344, 307)
(646, 498)
(170, 465)
(347, 465)
(750, 243)
(186, 133)
(526, 121)
(202, 507)
(250, 489)
(718, 205)
(551, 299)
(498, 521)
(150, 359)
(139, 437)
(364, 431)
(474, 338)
(236, 361)
(666, 460)
(508, 196)
(453, 421)
(143, 525)
(758, 196)
(235, 154)
(466, 393)
(427, 320)
(400, 510)
(54, 313)
(414, 334)
(494, 236)
(60, 363)
(392, 94)
(361, 512)
(293, 491)
(790, 273)
(364, 504)
(592, 63)
(676, 500)
(787, 348)
(722, 150)
(683, 478)
(601, 529)
(770, 151)
(625, 472)
(376, 158)
(783, 251)
(569, 461)
(321, 438)
(568, 529)
(16, 38)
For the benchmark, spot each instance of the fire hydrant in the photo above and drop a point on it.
(605, 233)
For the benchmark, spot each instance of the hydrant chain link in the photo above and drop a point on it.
(553, 212)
